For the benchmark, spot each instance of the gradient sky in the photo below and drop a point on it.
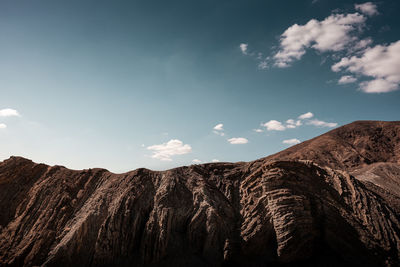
(110, 83)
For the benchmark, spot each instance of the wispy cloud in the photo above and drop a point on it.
(9, 112)
(196, 161)
(347, 79)
(319, 123)
(173, 147)
(219, 129)
(293, 141)
(238, 141)
(243, 48)
(258, 130)
(367, 8)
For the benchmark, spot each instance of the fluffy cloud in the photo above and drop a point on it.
(274, 125)
(368, 8)
(219, 127)
(293, 141)
(196, 161)
(258, 130)
(307, 115)
(215, 160)
(243, 48)
(334, 33)
(3, 126)
(347, 79)
(8, 112)
(238, 141)
(381, 62)
(322, 123)
(166, 150)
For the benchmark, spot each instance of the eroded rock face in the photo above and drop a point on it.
(213, 214)
(266, 212)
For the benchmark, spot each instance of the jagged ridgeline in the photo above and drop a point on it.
(329, 201)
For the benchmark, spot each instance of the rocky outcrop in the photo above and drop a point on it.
(267, 212)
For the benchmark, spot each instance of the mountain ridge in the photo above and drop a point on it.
(279, 211)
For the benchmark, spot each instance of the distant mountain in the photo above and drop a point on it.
(329, 201)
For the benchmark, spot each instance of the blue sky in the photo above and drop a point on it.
(128, 84)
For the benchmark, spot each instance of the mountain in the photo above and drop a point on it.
(326, 202)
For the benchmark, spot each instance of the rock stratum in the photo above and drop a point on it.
(330, 201)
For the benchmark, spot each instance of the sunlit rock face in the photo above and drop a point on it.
(314, 204)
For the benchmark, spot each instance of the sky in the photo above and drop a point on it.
(160, 84)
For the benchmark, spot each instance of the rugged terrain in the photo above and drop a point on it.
(329, 201)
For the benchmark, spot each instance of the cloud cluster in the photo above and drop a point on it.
(173, 147)
(274, 125)
(334, 33)
(376, 68)
(238, 140)
(381, 63)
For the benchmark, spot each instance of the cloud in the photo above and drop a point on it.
(258, 130)
(274, 125)
(381, 62)
(322, 123)
(196, 161)
(307, 115)
(173, 147)
(243, 48)
(215, 160)
(347, 79)
(291, 124)
(367, 8)
(219, 127)
(293, 141)
(9, 112)
(3, 126)
(238, 141)
(334, 33)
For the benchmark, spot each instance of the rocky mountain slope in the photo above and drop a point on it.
(291, 210)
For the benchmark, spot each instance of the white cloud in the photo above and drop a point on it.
(243, 48)
(215, 160)
(238, 141)
(274, 125)
(8, 112)
(3, 126)
(381, 62)
(322, 123)
(334, 33)
(367, 8)
(196, 161)
(293, 141)
(307, 115)
(291, 124)
(219, 127)
(347, 79)
(166, 150)
(258, 130)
